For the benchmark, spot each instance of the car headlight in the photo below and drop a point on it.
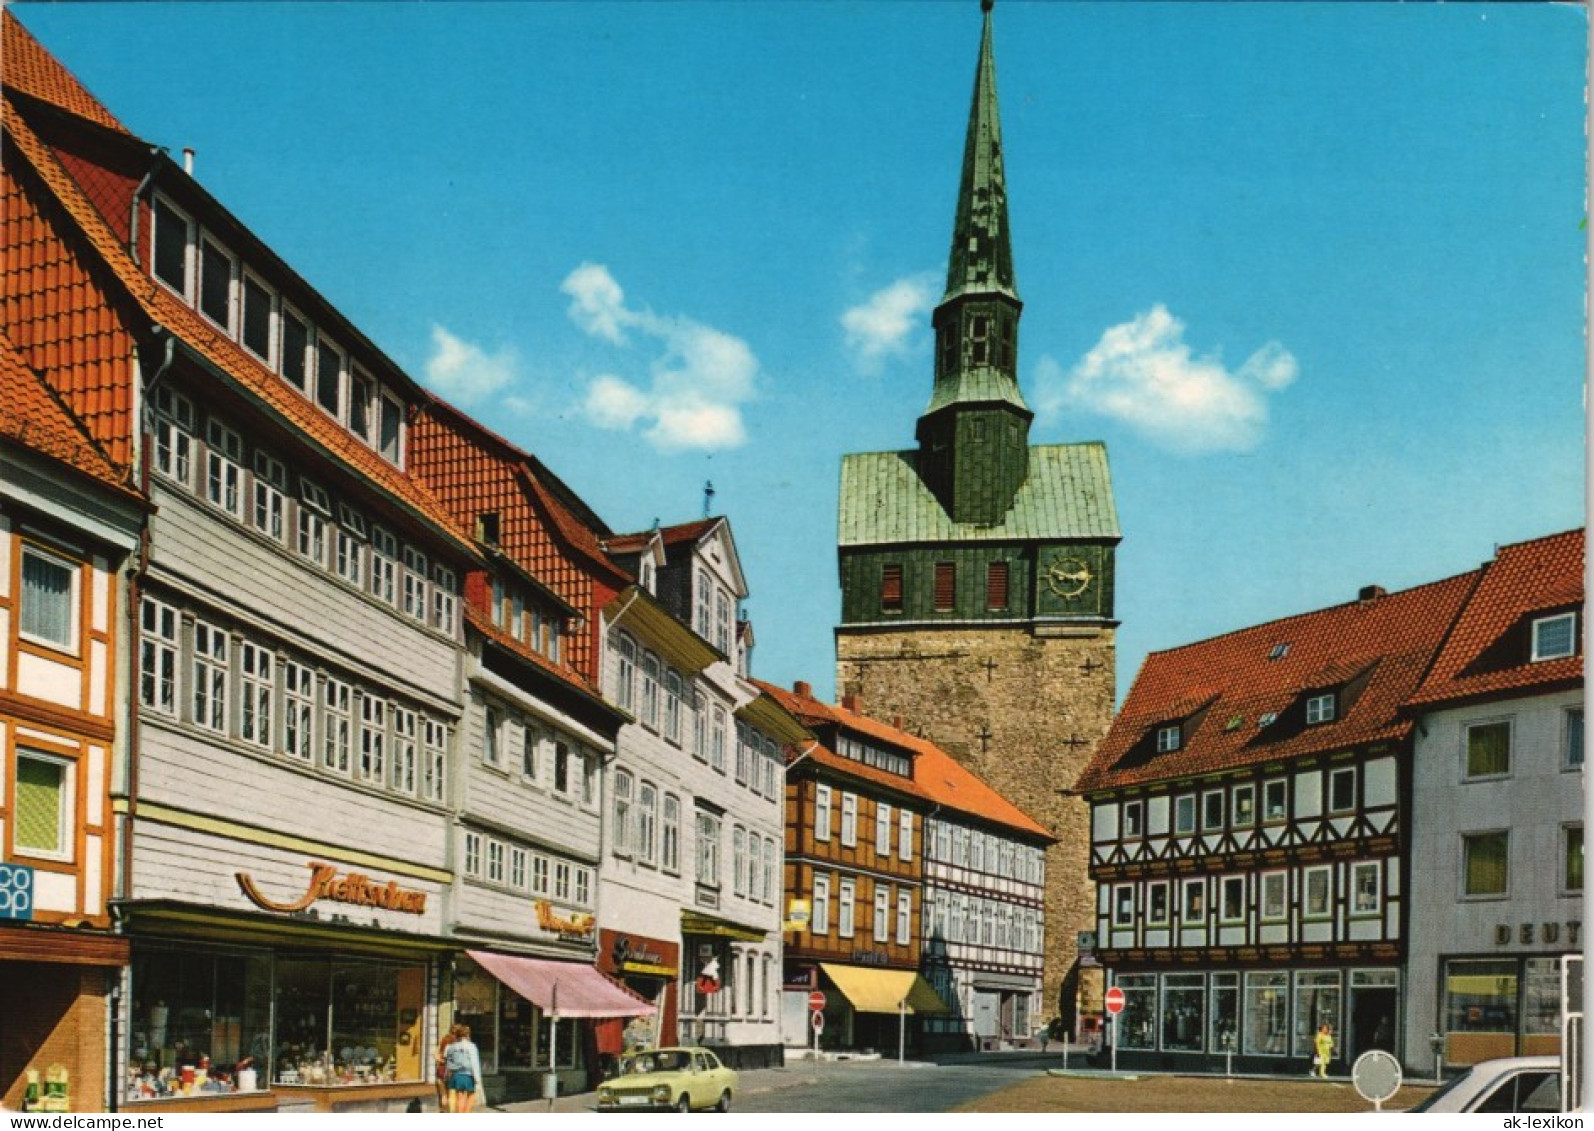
(661, 1094)
(605, 1095)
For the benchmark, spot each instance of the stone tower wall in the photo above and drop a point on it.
(1024, 709)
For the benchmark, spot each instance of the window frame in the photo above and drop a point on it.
(1208, 824)
(185, 289)
(66, 822)
(203, 241)
(849, 819)
(1569, 830)
(1476, 838)
(1541, 625)
(1182, 803)
(1572, 738)
(1198, 886)
(1326, 871)
(1267, 910)
(1355, 907)
(1267, 811)
(1170, 737)
(1226, 884)
(1248, 791)
(73, 644)
(1336, 776)
(1508, 727)
(1322, 708)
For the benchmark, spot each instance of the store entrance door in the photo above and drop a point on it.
(1372, 1020)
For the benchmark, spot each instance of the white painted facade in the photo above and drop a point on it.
(1515, 931)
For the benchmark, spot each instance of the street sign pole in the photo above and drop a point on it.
(1112, 1035)
(1114, 1002)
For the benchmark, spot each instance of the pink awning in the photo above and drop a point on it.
(567, 989)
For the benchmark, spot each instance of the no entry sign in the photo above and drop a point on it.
(816, 1000)
(1115, 1001)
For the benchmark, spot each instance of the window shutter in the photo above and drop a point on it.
(891, 588)
(945, 586)
(996, 586)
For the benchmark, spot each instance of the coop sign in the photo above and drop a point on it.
(352, 888)
(16, 891)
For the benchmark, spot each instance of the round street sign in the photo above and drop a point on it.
(1376, 1077)
(1115, 1001)
(816, 1000)
(817, 1020)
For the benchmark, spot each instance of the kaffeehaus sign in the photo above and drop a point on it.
(352, 888)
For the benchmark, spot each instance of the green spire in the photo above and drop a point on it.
(982, 251)
(974, 434)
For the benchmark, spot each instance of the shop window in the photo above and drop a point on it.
(1224, 1019)
(1480, 1009)
(1267, 1014)
(45, 826)
(1485, 867)
(1317, 1003)
(1488, 749)
(341, 1022)
(1183, 1011)
(1137, 1022)
(190, 1008)
(1572, 859)
(49, 599)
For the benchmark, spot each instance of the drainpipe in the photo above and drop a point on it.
(136, 573)
(138, 194)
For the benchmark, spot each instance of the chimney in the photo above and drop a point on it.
(1371, 593)
(803, 688)
(852, 703)
(188, 160)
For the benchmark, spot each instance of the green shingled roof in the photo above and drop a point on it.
(1068, 494)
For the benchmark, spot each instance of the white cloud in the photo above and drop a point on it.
(1143, 373)
(881, 325)
(698, 378)
(465, 373)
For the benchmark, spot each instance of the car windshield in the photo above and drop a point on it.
(665, 1060)
(1450, 1086)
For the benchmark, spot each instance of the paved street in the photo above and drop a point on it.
(1008, 1083)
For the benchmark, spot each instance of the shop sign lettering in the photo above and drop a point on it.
(1546, 933)
(16, 891)
(352, 888)
(577, 923)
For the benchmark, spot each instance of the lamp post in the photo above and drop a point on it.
(902, 1030)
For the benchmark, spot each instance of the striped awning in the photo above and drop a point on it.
(564, 989)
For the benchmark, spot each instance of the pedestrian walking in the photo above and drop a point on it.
(464, 1064)
(440, 1070)
(1324, 1044)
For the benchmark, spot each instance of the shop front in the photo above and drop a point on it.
(876, 1007)
(729, 990)
(1252, 1020)
(325, 1000)
(648, 968)
(55, 999)
(535, 1019)
(1493, 1006)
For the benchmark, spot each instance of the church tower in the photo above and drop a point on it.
(977, 570)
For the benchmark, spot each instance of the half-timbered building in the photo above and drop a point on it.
(1497, 814)
(1250, 817)
(983, 926)
(69, 521)
(855, 826)
(691, 887)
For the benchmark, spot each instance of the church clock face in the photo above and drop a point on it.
(1069, 577)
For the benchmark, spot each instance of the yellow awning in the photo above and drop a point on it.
(871, 989)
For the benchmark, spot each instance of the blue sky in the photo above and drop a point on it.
(1314, 273)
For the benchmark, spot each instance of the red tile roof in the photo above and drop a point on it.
(1373, 653)
(937, 776)
(39, 304)
(502, 639)
(35, 417)
(1489, 652)
(26, 67)
(672, 535)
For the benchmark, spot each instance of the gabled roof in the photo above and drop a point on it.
(27, 68)
(1067, 495)
(686, 534)
(207, 345)
(1373, 653)
(1490, 651)
(937, 777)
(34, 416)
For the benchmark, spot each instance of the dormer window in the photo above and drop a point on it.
(171, 240)
(1321, 708)
(1554, 637)
(487, 527)
(1169, 738)
(1278, 652)
(215, 283)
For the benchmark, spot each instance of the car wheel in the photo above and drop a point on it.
(725, 1101)
(684, 1103)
